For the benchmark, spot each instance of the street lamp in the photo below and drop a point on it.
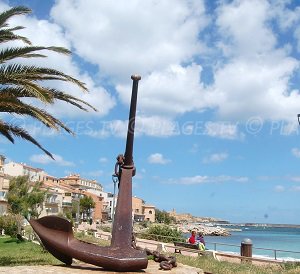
(115, 180)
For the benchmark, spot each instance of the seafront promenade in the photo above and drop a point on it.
(210, 261)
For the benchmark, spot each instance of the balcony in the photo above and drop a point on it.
(67, 204)
(51, 202)
(3, 199)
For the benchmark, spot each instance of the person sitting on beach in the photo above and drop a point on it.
(192, 239)
(200, 241)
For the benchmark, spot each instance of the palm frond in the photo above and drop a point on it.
(15, 28)
(33, 91)
(13, 73)
(7, 36)
(25, 52)
(59, 95)
(14, 105)
(19, 81)
(9, 131)
(4, 16)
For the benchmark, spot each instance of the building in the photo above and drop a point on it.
(76, 181)
(141, 211)
(63, 194)
(149, 212)
(4, 186)
(53, 203)
(97, 210)
(19, 169)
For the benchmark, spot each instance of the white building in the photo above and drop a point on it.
(19, 169)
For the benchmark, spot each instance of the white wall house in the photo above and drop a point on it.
(20, 169)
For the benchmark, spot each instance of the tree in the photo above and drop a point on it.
(86, 204)
(163, 217)
(24, 199)
(163, 233)
(19, 81)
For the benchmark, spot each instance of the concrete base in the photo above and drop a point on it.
(153, 268)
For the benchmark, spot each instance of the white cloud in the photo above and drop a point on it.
(294, 178)
(45, 160)
(46, 33)
(198, 179)
(145, 125)
(158, 158)
(103, 160)
(222, 130)
(240, 21)
(194, 148)
(296, 152)
(170, 92)
(286, 16)
(163, 41)
(297, 36)
(245, 88)
(117, 128)
(215, 158)
(95, 173)
(148, 36)
(279, 188)
(295, 188)
(250, 82)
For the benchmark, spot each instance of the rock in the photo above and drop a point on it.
(206, 230)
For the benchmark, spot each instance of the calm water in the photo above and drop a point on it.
(273, 238)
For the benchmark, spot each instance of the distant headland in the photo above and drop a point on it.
(189, 218)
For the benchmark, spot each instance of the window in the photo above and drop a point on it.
(150, 211)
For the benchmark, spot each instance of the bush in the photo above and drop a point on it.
(162, 233)
(106, 228)
(9, 224)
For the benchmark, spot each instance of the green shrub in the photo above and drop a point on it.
(106, 228)
(162, 233)
(9, 224)
(144, 224)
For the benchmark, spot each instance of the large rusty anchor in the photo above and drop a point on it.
(57, 236)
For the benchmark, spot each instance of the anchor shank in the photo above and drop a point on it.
(128, 162)
(122, 226)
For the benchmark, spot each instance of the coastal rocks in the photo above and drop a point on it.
(206, 230)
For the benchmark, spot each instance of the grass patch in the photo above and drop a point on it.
(15, 252)
(90, 239)
(209, 264)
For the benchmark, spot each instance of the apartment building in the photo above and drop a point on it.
(20, 169)
(4, 186)
(76, 181)
(63, 193)
(141, 211)
(97, 211)
(61, 198)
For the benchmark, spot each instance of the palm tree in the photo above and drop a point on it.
(19, 81)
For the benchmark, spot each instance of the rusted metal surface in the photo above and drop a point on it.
(57, 235)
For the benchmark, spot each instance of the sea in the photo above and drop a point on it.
(282, 243)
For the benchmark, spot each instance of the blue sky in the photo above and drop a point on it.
(217, 131)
